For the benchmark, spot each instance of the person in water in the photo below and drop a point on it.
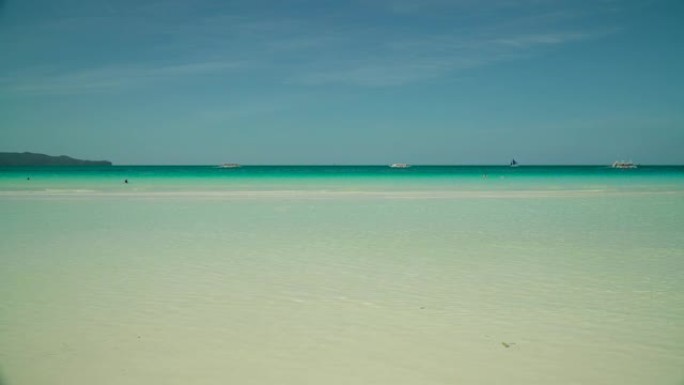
(126, 181)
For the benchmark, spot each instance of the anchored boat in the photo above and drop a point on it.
(623, 164)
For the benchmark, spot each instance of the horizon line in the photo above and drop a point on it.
(388, 164)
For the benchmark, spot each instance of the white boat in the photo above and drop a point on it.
(623, 164)
(400, 165)
(229, 165)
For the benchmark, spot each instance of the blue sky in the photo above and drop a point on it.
(344, 82)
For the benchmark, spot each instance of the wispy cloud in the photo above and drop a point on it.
(466, 34)
(553, 38)
(377, 74)
(42, 81)
(408, 61)
(299, 48)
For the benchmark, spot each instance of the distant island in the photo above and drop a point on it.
(32, 159)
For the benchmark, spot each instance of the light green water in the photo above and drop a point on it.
(344, 279)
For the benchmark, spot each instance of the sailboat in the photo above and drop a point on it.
(513, 163)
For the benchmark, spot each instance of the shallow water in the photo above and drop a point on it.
(342, 275)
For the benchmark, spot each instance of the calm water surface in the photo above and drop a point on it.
(337, 275)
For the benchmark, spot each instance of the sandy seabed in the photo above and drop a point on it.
(550, 287)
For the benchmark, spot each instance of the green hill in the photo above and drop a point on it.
(31, 159)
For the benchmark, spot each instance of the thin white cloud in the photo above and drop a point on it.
(374, 75)
(193, 68)
(107, 78)
(526, 41)
(426, 6)
(413, 60)
(307, 50)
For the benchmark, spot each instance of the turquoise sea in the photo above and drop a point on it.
(341, 275)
